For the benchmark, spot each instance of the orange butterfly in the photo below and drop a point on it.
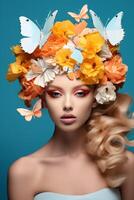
(81, 15)
(35, 112)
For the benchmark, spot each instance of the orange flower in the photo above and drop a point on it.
(53, 44)
(29, 90)
(115, 70)
(64, 29)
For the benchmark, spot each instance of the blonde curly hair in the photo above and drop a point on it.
(106, 137)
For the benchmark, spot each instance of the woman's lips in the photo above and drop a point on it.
(68, 120)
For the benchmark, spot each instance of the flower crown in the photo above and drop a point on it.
(89, 54)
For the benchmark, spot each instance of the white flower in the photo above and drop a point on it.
(42, 71)
(105, 93)
(105, 52)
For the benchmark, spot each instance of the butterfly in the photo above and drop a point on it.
(113, 32)
(33, 36)
(81, 15)
(35, 112)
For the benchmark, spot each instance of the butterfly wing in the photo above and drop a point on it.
(38, 114)
(114, 30)
(25, 113)
(75, 16)
(98, 23)
(77, 55)
(37, 108)
(47, 27)
(28, 44)
(83, 12)
(32, 33)
(37, 105)
(28, 117)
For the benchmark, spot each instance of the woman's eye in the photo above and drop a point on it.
(54, 94)
(81, 94)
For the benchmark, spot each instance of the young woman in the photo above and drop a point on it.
(86, 158)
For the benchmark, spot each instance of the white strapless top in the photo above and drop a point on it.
(102, 194)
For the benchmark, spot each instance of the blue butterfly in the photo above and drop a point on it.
(33, 35)
(113, 32)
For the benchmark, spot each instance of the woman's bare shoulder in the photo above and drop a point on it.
(23, 170)
(26, 166)
(21, 166)
(22, 179)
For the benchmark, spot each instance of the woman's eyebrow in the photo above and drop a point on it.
(55, 86)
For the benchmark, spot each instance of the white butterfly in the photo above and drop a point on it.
(113, 32)
(33, 35)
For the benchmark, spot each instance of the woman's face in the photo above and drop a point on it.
(64, 97)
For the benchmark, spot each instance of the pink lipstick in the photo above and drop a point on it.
(68, 118)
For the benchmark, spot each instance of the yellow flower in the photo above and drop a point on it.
(20, 66)
(62, 58)
(63, 29)
(91, 44)
(15, 70)
(17, 49)
(92, 70)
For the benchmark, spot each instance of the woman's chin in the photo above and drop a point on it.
(69, 127)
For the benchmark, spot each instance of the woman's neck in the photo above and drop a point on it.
(68, 143)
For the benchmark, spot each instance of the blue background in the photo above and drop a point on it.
(18, 137)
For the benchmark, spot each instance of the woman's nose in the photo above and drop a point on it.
(67, 108)
(67, 104)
